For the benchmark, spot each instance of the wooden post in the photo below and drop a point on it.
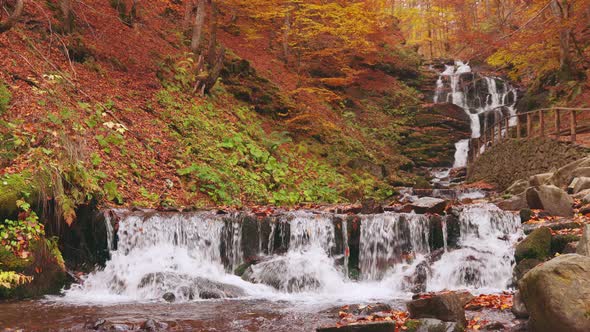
(518, 127)
(573, 125)
(557, 124)
(493, 134)
(541, 123)
(507, 120)
(529, 125)
(485, 137)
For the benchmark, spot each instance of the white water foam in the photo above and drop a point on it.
(485, 260)
(394, 258)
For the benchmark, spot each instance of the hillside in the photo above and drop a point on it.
(106, 113)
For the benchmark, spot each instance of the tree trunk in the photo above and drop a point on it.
(561, 10)
(67, 16)
(212, 52)
(189, 8)
(198, 26)
(12, 18)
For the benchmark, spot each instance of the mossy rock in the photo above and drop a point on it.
(12, 188)
(558, 242)
(536, 245)
(45, 266)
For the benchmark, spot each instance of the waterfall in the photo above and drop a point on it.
(389, 239)
(485, 258)
(477, 95)
(193, 255)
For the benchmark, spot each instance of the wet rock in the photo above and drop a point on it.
(579, 184)
(276, 273)
(514, 203)
(559, 242)
(570, 248)
(563, 176)
(582, 194)
(431, 324)
(494, 326)
(152, 325)
(98, 324)
(518, 187)
(520, 327)
(563, 224)
(525, 266)
(550, 198)
(448, 307)
(185, 287)
(585, 209)
(536, 245)
(557, 294)
(583, 247)
(428, 205)
(169, 297)
(358, 309)
(581, 172)
(368, 327)
(518, 307)
(540, 179)
(525, 215)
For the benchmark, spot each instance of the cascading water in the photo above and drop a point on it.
(193, 255)
(485, 258)
(479, 96)
(389, 239)
(157, 255)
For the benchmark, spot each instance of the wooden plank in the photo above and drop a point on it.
(507, 121)
(529, 125)
(518, 127)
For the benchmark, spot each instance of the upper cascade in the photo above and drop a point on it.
(485, 99)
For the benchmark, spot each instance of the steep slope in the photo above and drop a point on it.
(107, 115)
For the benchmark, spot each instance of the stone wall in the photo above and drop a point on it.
(517, 159)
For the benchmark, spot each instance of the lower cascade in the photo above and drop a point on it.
(303, 256)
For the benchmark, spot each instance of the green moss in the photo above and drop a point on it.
(536, 245)
(5, 97)
(412, 325)
(12, 188)
(558, 242)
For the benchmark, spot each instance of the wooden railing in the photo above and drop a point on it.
(531, 124)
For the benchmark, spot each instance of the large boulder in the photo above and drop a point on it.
(537, 245)
(514, 203)
(580, 183)
(518, 306)
(525, 266)
(428, 205)
(551, 199)
(583, 247)
(563, 176)
(540, 179)
(448, 307)
(557, 294)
